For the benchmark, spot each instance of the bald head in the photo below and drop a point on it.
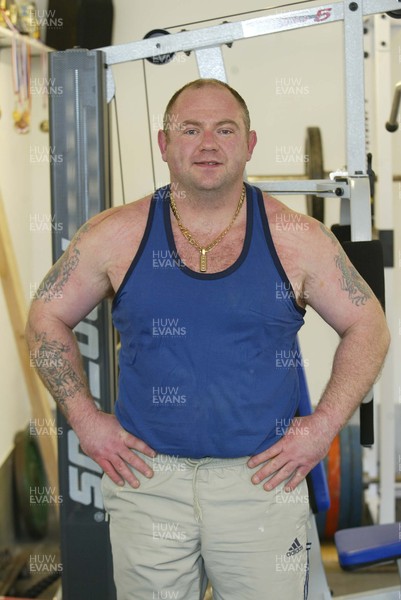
(199, 84)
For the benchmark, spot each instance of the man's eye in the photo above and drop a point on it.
(190, 131)
(225, 131)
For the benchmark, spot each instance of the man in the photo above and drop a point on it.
(204, 477)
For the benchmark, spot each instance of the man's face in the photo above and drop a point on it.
(207, 145)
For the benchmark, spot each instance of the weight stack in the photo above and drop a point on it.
(78, 23)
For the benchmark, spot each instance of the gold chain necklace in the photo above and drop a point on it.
(192, 240)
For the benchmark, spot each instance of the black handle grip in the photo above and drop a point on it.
(367, 435)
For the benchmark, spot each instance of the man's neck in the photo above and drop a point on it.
(215, 206)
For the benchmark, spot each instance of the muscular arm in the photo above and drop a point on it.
(53, 347)
(334, 288)
(71, 289)
(359, 320)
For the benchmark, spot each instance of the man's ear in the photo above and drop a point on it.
(252, 140)
(162, 141)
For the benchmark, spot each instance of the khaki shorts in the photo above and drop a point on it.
(203, 520)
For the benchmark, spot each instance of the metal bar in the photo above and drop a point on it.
(360, 212)
(383, 157)
(225, 33)
(373, 7)
(345, 211)
(231, 32)
(183, 41)
(354, 89)
(211, 64)
(384, 221)
(80, 188)
(299, 177)
(386, 397)
(317, 187)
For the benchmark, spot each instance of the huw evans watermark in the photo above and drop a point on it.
(168, 327)
(168, 531)
(168, 396)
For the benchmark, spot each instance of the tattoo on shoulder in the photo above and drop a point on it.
(351, 282)
(49, 358)
(52, 285)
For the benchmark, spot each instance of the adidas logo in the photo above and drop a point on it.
(295, 548)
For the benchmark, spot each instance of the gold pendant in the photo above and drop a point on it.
(203, 261)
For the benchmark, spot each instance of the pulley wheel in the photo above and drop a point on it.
(395, 14)
(162, 59)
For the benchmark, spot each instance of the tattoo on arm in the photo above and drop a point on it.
(54, 282)
(56, 370)
(358, 290)
(328, 234)
(351, 282)
(52, 285)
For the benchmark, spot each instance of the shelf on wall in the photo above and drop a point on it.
(6, 37)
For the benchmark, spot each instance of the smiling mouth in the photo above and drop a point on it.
(208, 163)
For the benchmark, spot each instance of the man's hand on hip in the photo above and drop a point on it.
(304, 444)
(104, 440)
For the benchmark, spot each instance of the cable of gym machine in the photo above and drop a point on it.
(247, 12)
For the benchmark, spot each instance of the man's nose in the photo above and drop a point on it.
(208, 140)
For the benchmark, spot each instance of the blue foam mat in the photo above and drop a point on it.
(362, 546)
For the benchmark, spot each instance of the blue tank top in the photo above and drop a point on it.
(208, 361)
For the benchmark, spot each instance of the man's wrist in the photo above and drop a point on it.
(326, 422)
(83, 414)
